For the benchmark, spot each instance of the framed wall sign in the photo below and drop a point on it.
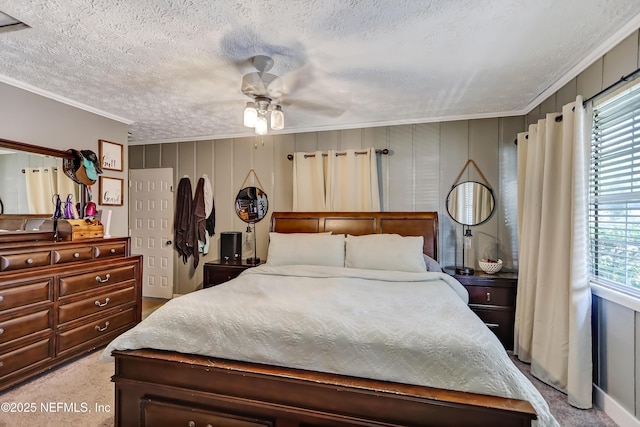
(111, 190)
(111, 155)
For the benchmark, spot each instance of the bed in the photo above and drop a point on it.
(191, 363)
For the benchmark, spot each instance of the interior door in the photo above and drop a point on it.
(151, 218)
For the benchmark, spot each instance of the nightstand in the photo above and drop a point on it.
(216, 272)
(493, 298)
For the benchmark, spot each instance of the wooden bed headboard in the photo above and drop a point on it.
(357, 223)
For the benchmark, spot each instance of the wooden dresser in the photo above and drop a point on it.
(493, 298)
(62, 299)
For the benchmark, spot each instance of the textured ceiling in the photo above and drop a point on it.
(173, 68)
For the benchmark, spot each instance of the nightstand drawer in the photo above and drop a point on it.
(223, 274)
(489, 295)
(499, 321)
(216, 273)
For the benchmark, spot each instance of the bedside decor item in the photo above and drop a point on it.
(231, 246)
(490, 266)
(469, 203)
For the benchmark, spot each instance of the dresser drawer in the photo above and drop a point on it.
(111, 250)
(168, 414)
(72, 255)
(24, 294)
(22, 261)
(491, 295)
(27, 324)
(25, 357)
(99, 303)
(107, 276)
(95, 330)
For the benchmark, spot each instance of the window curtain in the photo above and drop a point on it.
(553, 310)
(341, 181)
(308, 182)
(40, 190)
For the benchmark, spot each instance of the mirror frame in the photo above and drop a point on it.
(30, 235)
(493, 197)
(21, 146)
(248, 221)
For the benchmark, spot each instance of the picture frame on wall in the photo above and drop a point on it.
(111, 155)
(111, 191)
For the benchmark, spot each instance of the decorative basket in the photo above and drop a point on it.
(490, 267)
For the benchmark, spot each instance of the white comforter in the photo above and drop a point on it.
(411, 328)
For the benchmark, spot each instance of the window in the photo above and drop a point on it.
(614, 187)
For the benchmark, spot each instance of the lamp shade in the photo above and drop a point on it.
(250, 115)
(261, 125)
(277, 118)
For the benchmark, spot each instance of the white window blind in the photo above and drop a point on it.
(614, 187)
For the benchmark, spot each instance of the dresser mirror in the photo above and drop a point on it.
(20, 163)
(470, 203)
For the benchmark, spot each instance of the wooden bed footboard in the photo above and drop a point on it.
(159, 388)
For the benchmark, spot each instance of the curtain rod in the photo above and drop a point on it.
(383, 151)
(623, 79)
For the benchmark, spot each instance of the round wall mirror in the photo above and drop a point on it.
(251, 204)
(470, 203)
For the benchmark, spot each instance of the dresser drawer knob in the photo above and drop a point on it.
(191, 424)
(76, 255)
(101, 280)
(29, 261)
(1, 364)
(106, 301)
(99, 329)
(488, 296)
(1, 331)
(112, 250)
(1, 298)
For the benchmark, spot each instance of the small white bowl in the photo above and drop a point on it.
(490, 267)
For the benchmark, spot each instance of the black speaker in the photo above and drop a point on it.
(231, 246)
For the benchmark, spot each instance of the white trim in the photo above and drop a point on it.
(613, 409)
(496, 115)
(621, 298)
(42, 92)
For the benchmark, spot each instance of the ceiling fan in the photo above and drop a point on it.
(270, 92)
(266, 90)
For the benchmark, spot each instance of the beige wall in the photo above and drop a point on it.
(417, 175)
(616, 327)
(34, 119)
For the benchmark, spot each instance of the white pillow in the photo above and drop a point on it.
(385, 252)
(306, 249)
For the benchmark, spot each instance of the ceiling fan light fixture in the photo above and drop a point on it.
(277, 118)
(261, 125)
(250, 115)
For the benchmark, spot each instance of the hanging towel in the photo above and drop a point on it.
(182, 219)
(209, 207)
(198, 229)
(211, 219)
